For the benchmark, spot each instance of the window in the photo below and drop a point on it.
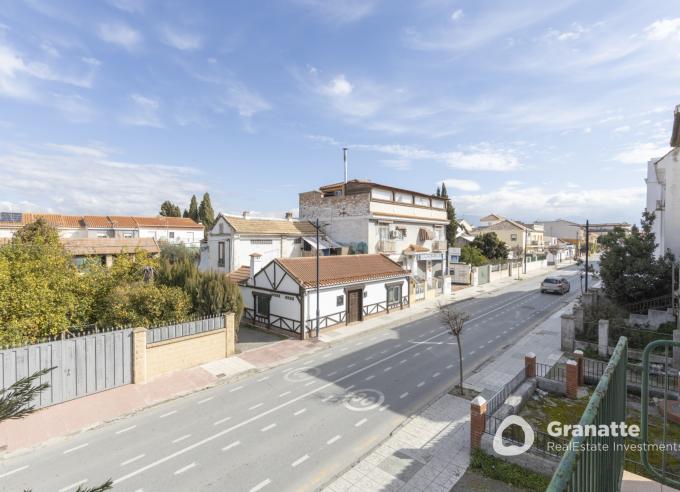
(365, 293)
(262, 304)
(102, 235)
(381, 194)
(393, 294)
(127, 235)
(403, 197)
(513, 237)
(439, 234)
(171, 235)
(383, 232)
(340, 301)
(437, 203)
(260, 241)
(423, 201)
(297, 240)
(220, 254)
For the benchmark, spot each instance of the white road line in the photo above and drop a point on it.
(497, 337)
(397, 345)
(472, 352)
(300, 412)
(263, 414)
(256, 406)
(420, 384)
(416, 354)
(450, 366)
(221, 421)
(126, 429)
(428, 348)
(183, 469)
(369, 377)
(300, 460)
(328, 398)
(235, 389)
(73, 485)
(481, 347)
(263, 379)
(168, 414)
(12, 472)
(505, 332)
(351, 366)
(132, 460)
(261, 485)
(330, 374)
(76, 448)
(369, 357)
(489, 342)
(361, 422)
(387, 369)
(206, 400)
(436, 374)
(232, 445)
(311, 383)
(349, 387)
(180, 439)
(383, 408)
(333, 439)
(403, 361)
(285, 393)
(403, 395)
(269, 427)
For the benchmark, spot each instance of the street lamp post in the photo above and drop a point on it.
(587, 251)
(317, 278)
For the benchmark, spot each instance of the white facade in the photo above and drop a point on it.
(175, 236)
(663, 198)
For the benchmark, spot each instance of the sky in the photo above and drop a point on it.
(530, 109)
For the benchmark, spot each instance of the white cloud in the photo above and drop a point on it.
(86, 179)
(397, 164)
(339, 86)
(74, 107)
(641, 153)
(622, 129)
(664, 29)
(246, 101)
(461, 184)
(180, 40)
(120, 34)
(457, 14)
(323, 139)
(131, 6)
(340, 11)
(143, 112)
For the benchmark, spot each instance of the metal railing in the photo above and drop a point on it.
(554, 373)
(544, 443)
(641, 307)
(595, 463)
(387, 246)
(495, 402)
(439, 245)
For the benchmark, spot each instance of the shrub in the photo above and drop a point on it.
(509, 473)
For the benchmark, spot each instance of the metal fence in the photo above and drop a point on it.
(634, 375)
(544, 443)
(193, 327)
(83, 365)
(595, 463)
(495, 402)
(555, 373)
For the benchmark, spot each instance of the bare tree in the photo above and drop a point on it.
(454, 321)
(517, 252)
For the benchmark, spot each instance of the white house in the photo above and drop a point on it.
(233, 239)
(367, 217)
(282, 294)
(178, 230)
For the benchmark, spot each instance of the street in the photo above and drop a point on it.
(293, 427)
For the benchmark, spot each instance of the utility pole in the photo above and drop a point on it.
(317, 278)
(587, 250)
(526, 245)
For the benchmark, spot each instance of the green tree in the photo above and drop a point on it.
(169, 209)
(38, 286)
(213, 293)
(185, 214)
(193, 209)
(439, 191)
(206, 214)
(491, 246)
(629, 269)
(452, 226)
(472, 256)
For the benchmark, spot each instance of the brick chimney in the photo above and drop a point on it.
(675, 136)
(289, 216)
(246, 214)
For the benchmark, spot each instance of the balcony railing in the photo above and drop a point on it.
(387, 246)
(438, 245)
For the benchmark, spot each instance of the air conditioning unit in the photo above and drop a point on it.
(660, 205)
(394, 234)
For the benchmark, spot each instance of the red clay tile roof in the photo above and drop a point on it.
(97, 221)
(240, 274)
(101, 246)
(270, 226)
(104, 221)
(335, 270)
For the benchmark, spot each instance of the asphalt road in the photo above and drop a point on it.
(293, 427)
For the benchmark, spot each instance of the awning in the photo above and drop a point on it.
(425, 234)
(324, 242)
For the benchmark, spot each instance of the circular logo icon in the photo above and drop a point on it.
(301, 374)
(364, 400)
(501, 448)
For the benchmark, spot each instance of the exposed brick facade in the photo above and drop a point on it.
(572, 379)
(478, 408)
(530, 365)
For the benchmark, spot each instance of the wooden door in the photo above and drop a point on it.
(354, 298)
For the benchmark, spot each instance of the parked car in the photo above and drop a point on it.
(557, 285)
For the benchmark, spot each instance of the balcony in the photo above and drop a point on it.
(386, 246)
(439, 245)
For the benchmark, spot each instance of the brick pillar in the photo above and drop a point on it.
(477, 421)
(530, 365)
(139, 355)
(578, 355)
(572, 379)
(230, 325)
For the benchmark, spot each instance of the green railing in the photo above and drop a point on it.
(595, 463)
(661, 475)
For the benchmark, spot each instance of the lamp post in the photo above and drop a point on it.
(317, 278)
(587, 251)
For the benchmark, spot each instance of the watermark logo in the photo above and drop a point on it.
(503, 449)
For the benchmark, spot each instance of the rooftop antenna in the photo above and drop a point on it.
(344, 157)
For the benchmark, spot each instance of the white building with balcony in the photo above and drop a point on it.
(407, 226)
(663, 198)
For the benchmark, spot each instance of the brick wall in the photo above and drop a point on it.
(181, 353)
(314, 205)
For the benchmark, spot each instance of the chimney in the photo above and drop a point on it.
(675, 136)
(289, 216)
(246, 214)
(344, 158)
(255, 264)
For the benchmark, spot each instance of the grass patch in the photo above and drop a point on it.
(515, 475)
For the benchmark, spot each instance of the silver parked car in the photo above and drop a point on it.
(556, 285)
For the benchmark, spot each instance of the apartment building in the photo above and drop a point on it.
(513, 233)
(407, 226)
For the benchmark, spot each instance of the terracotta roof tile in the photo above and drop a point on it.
(334, 270)
(97, 221)
(101, 246)
(173, 222)
(270, 226)
(240, 274)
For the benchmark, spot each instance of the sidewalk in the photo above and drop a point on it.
(59, 421)
(431, 450)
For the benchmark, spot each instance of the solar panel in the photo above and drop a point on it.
(10, 217)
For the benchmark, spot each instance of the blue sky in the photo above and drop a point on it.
(530, 109)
